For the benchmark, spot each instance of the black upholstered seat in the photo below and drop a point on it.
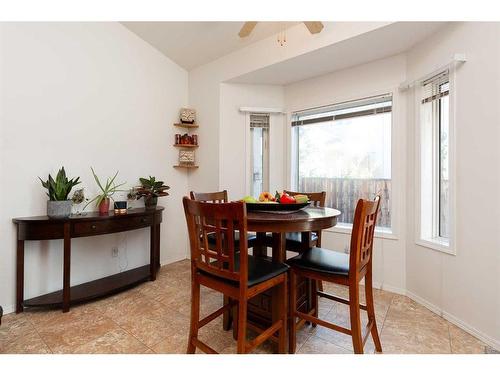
(259, 269)
(322, 260)
(251, 238)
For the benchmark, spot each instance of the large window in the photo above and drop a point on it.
(345, 150)
(434, 125)
(259, 159)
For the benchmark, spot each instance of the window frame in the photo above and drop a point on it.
(249, 150)
(398, 155)
(434, 241)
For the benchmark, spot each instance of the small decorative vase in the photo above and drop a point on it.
(59, 209)
(104, 206)
(150, 202)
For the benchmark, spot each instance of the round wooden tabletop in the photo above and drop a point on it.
(306, 220)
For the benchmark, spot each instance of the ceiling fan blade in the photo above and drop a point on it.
(314, 27)
(247, 29)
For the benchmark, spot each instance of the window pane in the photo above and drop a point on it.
(444, 208)
(259, 161)
(349, 159)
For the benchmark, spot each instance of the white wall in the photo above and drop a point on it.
(465, 288)
(378, 77)
(81, 95)
(205, 82)
(234, 132)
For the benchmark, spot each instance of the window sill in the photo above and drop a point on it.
(386, 234)
(437, 245)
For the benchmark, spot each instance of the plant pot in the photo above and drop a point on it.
(59, 209)
(150, 202)
(104, 206)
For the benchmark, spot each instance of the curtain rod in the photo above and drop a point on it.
(458, 58)
(261, 110)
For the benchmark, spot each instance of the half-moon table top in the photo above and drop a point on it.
(306, 220)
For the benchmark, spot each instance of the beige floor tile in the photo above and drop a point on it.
(316, 345)
(150, 326)
(65, 335)
(14, 326)
(154, 317)
(339, 315)
(464, 343)
(116, 341)
(411, 328)
(29, 343)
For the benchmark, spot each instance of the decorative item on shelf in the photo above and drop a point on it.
(150, 190)
(120, 207)
(58, 205)
(186, 157)
(187, 116)
(78, 198)
(186, 139)
(177, 139)
(194, 138)
(107, 191)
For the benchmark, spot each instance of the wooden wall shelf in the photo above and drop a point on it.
(186, 146)
(186, 166)
(186, 126)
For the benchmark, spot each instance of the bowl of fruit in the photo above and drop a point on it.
(280, 202)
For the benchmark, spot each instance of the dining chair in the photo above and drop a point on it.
(221, 197)
(294, 239)
(320, 264)
(233, 273)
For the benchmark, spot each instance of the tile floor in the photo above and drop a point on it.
(154, 318)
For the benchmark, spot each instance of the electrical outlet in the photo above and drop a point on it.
(114, 252)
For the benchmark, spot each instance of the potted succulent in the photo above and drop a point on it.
(151, 189)
(107, 191)
(58, 205)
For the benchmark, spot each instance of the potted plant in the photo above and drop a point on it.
(107, 191)
(151, 189)
(58, 205)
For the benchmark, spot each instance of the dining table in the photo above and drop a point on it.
(263, 309)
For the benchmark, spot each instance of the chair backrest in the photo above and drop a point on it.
(363, 229)
(221, 220)
(215, 197)
(317, 199)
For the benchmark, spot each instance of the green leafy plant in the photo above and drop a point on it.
(107, 190)
(151, 188)
(59, 189)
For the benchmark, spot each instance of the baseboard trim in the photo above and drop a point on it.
(8, 309)
(495, 344)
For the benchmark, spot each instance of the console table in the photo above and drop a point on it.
(38, 228)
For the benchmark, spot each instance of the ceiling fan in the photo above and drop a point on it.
(313, 27)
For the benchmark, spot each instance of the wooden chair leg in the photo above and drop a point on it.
(242, 326)
(315, 299)
(320, 286)
(370, 309)
(292, 333)
(195, 315)
(284, 317)
(355, 316)
(227, 317)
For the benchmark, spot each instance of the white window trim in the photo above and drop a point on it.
(347, 229)
(447, 246)
(398, 155)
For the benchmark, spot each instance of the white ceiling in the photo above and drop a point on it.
(191, 44)
(387, 41)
